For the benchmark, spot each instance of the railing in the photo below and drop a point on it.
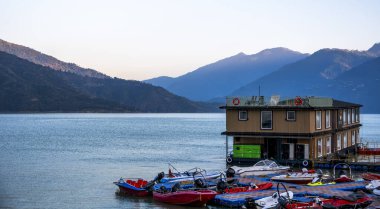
(277, 101)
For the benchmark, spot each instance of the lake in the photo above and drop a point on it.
(70, 160)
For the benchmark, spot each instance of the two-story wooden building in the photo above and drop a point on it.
(289, 129)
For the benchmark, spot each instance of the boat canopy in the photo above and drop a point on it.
(269, 163)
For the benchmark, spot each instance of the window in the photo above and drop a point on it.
(266, 119)
(328, 145)
(318, 119)
(291, 115)
(353, 138)
(345, 117)
(357, 136)
(345, 140)
(339, 142)
(319, 147)
(243, 115)
(357, 115)
(328, 124)
(353, 115)
(349, 116)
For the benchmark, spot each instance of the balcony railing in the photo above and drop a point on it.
(277, 101)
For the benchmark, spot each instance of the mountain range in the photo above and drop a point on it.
(31, 81)
(29, 87)
(222, 77)
(348, 75)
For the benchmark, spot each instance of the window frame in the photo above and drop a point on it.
(357, 118)
(345, 144)
(345, 117)
(328, 119)
(353, 115)
(328, 145)
(287, 115)
(241, 119)
(320, 120)
(349, 116)
(319, 145)
(261, 120)
(339, 142)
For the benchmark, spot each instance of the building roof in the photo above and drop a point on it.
(274, 102)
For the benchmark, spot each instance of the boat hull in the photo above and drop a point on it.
(370, 176)
(293, 180)
(340, 203)
(261, 172)
(186, 197)
(133, 188)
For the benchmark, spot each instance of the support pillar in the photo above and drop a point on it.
(226, 146)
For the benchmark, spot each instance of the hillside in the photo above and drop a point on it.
(28, 87)
(46, 60)
(220, 78)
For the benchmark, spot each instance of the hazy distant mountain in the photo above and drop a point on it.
(375, 50)
(163, 81)
(46, 60)
(327, 72)
(360, 85)
(307, 76)
(28, 87)
(220, 78)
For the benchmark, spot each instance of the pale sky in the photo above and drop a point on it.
(142, 39)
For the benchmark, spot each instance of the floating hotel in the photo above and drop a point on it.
(300, 130)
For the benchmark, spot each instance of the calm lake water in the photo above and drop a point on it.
(70, 160)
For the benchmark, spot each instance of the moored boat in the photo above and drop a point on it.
(185, 197)
(263, 167)
(350, 201)
(370, 176)
(374, 187)
(133, 187)
(231, 190)
(188, 175)
(303, 177)
(343, 179)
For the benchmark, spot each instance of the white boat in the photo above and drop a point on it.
(189, 175)
(295, 178)
(374, 186)
(263, 167)
(272, 201)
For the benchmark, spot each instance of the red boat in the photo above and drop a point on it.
(369, 151)
(343, 179)
(351, 201)
(185, 197)
(262, 186)
(370, 176)
(303, 205)
(133, 187)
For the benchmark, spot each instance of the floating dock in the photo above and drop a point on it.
(299, 191)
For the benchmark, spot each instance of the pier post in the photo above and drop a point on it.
(226, 146)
